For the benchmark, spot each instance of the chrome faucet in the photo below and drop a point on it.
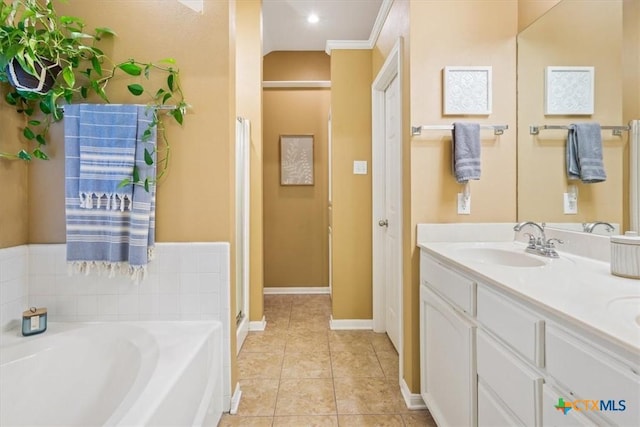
(521, 225)
(588, 228)
(539, 245)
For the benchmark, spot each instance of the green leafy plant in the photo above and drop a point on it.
(33, 37)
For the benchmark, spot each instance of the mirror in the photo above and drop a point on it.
(572, 33)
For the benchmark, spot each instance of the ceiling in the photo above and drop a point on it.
(285, 25)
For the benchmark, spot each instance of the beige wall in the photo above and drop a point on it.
(295, 217)
(485, 34)
(351, 218)
(14, 206)
(631, 83)
(530, 10)
(593, 39)
(249, 106)
(297, 65)
(195, 199)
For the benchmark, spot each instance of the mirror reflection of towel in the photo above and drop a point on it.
(584, 153)
(466, 151)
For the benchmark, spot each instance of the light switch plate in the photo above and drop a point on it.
(359, 167)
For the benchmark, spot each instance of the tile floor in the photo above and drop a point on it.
(299, 373)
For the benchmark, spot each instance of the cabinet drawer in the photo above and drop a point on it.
(553, 417)
(517, 385)
(588, 373)
(517, 326)
(492, 412)
(456, 288)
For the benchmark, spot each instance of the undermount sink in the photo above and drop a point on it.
(626, 308)
(500, 257)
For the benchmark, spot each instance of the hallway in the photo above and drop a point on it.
(299, 373)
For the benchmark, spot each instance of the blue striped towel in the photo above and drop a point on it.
(109, 240)
(107, 154)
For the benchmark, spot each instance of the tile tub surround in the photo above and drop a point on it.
(14, 289)
(185, 281)
(299, 373)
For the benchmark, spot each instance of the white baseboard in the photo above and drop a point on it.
(259, 325)
(343, 324)
(241, 333)
(412, 400)
(298, 290)
(235, 400)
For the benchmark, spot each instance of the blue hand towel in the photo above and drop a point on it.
(111, 241)
(584, 153)
(107, 135)
(466, 151)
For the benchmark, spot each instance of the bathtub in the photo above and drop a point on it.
(113, 374)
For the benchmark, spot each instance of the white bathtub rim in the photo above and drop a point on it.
(150, 395)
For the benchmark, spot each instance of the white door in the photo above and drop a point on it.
(392, 211)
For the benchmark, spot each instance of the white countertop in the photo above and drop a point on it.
(578, 289)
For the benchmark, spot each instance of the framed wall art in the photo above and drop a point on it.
(296, 159)
(569, 90)
(466, 90)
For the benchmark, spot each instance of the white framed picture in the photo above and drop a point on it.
(467, 90)
(569, 90)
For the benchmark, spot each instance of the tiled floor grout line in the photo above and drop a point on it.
(295, 343)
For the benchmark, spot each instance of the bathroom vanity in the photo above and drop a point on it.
(509, 338)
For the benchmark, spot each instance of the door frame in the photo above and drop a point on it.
(391, 69)
(243, 212)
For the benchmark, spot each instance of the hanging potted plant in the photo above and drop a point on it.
(48, 60)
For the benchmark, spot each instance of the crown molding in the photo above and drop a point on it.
(385, 7)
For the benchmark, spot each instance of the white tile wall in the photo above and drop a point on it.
(185, 281)
(14, 286)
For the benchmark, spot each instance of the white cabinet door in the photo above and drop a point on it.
(449, 385)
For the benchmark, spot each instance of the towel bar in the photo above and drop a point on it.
(417, 130)
(616, 130)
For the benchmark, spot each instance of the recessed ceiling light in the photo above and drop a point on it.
(313, 18)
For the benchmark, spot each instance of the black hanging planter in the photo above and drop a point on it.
(26, 82)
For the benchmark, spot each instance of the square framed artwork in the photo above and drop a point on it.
(467, 90)
(569, 90)
(296, 160)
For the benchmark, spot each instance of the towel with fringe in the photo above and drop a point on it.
(584, 153)
(466, 151)
(107, 155)
(109, 240)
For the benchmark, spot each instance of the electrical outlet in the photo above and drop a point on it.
(570, 204)
(464, 204)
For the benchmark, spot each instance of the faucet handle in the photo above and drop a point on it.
(551, 240)
(532, 240)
